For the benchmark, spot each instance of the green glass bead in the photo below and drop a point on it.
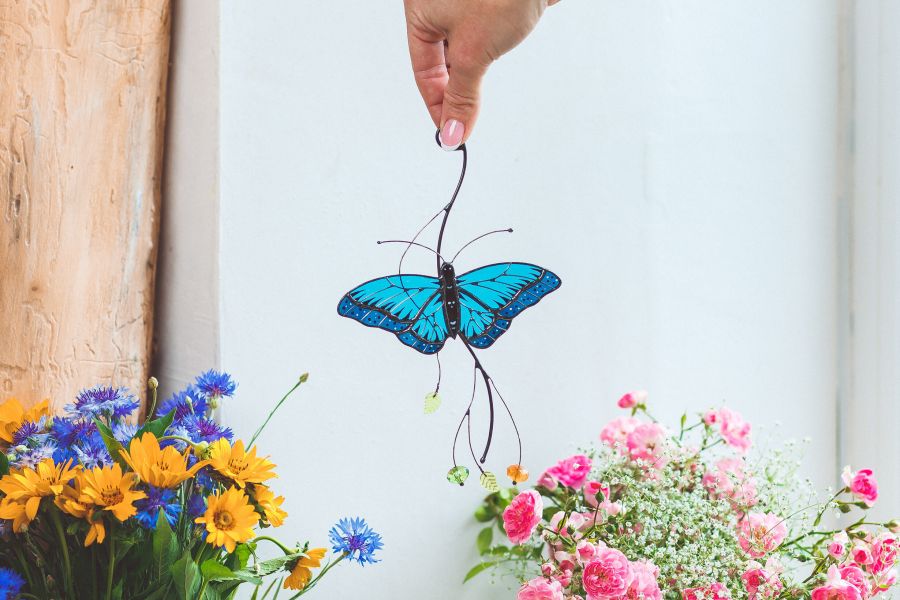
(458, 475)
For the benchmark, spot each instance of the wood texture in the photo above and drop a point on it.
(82, 110)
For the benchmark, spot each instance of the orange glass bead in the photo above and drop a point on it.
(517, 473)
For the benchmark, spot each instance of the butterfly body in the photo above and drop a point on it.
(450, 298)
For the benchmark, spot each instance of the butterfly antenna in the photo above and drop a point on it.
(470, 242)
(410, 243)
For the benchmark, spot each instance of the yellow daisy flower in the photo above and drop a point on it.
(74, 502)
(112, 490)
(301, 573)
(160, 467)
(270, 504)
(13, 414)
(23, 490)
(239, 466)
(229, 519)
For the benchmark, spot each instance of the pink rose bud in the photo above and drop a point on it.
(862, 484)
(632, 399)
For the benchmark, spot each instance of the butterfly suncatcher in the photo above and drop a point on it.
(476, 307)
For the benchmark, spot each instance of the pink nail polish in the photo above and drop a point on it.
(452, 134)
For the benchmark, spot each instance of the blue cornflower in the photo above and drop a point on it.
(188, 401)
(91, 452)
(103, 401)
(30, 458)
(29, 431)
(196, 506)
(10, 584)
(216, 384)
(356, 539)
(158, 499)
(203, 429)
(124, 432)
(67, 431)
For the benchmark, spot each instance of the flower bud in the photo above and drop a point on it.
(893, 525)
(153, 383)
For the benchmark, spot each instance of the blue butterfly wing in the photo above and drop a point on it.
(409, 306)
(490, 297)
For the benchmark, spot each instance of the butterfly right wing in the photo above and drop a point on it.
(409, 306)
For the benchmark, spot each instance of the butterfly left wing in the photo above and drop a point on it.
(490, 297)
(409, 306)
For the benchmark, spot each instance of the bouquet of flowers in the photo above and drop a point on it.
(95, 504)
(685, 515)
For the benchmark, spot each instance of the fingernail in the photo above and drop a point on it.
(452, 134)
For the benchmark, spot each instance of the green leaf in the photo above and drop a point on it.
(186, 576)
(485, 537)
(478, 569)
(113, 446)
(157, 426)
(267, 567)
(483, 514)
(432, 402)
(4, 464)
(216, 571)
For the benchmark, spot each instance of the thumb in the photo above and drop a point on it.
(462, 99)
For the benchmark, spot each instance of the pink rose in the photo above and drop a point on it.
(711, 417)
(572, 471)
(884, 552)
(760, 533)
(763, 582)
(715, 591)
(586, 551)
(632, 399)
(861, 554)
(616, 432)
(647, 443)
(548, 481)
(862, 484)
(644, 585)
(541, 589)
(608, 575)
(522, 516)
(855, 576)
(591, 489)
(838, 545)
(836, 588)
(734, 430)
(729, 480)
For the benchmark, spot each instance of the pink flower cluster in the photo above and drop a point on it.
(606, 574)
(730, 480)
(646, 442)
(732, 426)
(865, 565)
(715, 591)
(763, 582)
(761, 533)
(571, 472)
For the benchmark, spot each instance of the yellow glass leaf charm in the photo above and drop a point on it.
(432, 402)
(489, 482)
(517, 473)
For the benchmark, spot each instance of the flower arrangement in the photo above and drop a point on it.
(684, 515)
(96, 505)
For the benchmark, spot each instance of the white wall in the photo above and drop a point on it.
(673, 163)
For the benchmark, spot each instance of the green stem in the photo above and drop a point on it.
(300, 381)
(57, 522)
(265, 538)
(203, 589)
(179, 438)
(112, 566)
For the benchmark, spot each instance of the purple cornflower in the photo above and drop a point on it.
(216, 384)
(103, 401)
(355, 539)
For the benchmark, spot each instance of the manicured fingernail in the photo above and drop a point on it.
(452, 134)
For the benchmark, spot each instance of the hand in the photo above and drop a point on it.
(452, 43)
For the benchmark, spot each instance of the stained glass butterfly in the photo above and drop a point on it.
(477, 308)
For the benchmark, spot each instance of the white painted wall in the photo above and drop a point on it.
(673, 163)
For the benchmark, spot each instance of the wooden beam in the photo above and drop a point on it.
(82, 111)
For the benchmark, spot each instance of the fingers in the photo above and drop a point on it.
(462, 98)
(430, 70)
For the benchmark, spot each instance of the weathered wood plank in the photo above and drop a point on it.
(82, 109)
